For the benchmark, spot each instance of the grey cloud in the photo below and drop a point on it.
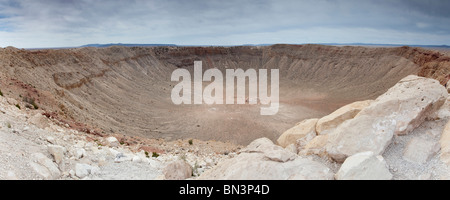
(432, 8)
(181, 21)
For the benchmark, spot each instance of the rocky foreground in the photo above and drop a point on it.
(34, 147)
(403, 134)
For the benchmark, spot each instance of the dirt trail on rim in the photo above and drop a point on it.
(126, 90)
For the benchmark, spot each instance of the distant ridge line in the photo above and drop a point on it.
(127, 45)
(175, 45)
(330, 44)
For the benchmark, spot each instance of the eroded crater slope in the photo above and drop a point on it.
(126, 90)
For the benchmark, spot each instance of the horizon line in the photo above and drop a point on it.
(106, 45)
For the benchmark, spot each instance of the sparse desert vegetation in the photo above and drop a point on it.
(31, 103)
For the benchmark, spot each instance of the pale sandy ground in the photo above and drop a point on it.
(21, 136)
(404, 170)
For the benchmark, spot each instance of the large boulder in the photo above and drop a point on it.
(177, 170)
(398, 111)
(43, 166)
(303, 131)
(57, 152)
(315, 147)
(112, 141)
(83, 170)
(41, 171)
(443, 112)
(263, 160)
(445, 144)
(331, 121)
(364, 166)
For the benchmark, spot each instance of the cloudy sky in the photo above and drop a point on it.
(59, 23)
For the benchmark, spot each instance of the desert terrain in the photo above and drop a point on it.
(68, 103)
(126, 90)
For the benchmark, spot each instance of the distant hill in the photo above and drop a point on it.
(385, 45)
(362, 44)
(174, 45)
(128, 45)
